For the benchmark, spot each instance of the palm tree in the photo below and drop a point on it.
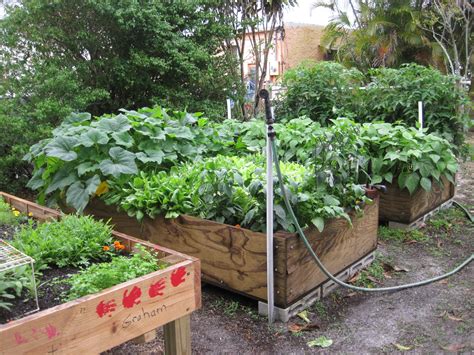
(376, 33)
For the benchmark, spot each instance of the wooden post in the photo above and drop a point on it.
(145, 338)
(177, 336)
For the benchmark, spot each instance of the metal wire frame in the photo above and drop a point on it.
(11, 258)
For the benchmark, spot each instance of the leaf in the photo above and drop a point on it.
(402, 347)
(77, 118)
(92, 137)
(36, 180)
(376, 179)
(115, 124)
(425, 184)
(322, 342)
(62, 148)
(331, 201)
(280, 211)
(77, 196)
(123, 138)
(63, 177)
(155, 156)
(319, 223)
(304, 316)
(412, 182)
(122, 162)
(86, 167)
(388, 177)
(92, 184)
(453, 347)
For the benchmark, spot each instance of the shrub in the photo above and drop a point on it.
(393, 94)
(321, 91)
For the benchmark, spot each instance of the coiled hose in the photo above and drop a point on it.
(326, 271)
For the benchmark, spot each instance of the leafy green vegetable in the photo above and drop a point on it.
(413, 158)
(232, 190)
(85, 151)
(72, 241)
(100, 276)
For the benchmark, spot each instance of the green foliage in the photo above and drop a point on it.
(401, 235)
(393, 95)
(411, 157)
(100, 276)
(232, 190)
(85, 151)
(12, 284)
(318, 90)
(73, 241)
(101, 56)
(63, 57)
(7, 217)
(16, 137)
(327, 91)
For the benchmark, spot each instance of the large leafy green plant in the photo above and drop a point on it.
(415, 159)
(393, 94)
(87, 152)
(232, 190)
(320, 91)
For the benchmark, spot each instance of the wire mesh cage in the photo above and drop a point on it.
(11, 258)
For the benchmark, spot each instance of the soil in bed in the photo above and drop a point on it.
(50, 287)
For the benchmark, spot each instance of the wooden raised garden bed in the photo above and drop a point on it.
(399, 206)
(235, 258)
(100, 321)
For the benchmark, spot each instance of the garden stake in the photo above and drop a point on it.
(263, 94)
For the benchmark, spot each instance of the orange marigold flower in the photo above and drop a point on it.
(105, 248)
(120, 247)
(116, 243)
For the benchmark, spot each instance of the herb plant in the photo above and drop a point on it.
(100, 276)
(72, 241)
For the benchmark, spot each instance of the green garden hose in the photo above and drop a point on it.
(326, 271)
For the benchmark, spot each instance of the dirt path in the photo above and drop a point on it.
(437, 318)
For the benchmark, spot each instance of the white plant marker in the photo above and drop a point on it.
(420, 114)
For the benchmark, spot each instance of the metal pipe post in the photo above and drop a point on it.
(269, 153)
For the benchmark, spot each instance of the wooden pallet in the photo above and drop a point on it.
(284, 314)
(400, 208)
(234, 258)
(420, 222)
(98, 322)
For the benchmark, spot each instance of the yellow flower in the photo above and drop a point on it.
(16, 213)
(30, 214)
(102, 188)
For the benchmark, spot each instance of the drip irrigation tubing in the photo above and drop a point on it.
(327, 272)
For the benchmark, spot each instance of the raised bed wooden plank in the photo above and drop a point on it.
(235, 258)
(399, 206)
(101, 321)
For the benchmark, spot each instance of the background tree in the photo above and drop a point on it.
(100, 56)
(450, 25)
(254, 24)
(377, 33)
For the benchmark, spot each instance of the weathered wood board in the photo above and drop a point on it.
(399, 206)
(103, 320)
(235, 258)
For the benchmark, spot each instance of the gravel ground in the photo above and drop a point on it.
(437, 318)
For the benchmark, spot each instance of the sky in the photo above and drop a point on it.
(304, 14)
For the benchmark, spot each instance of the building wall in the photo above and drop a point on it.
(301, 42)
